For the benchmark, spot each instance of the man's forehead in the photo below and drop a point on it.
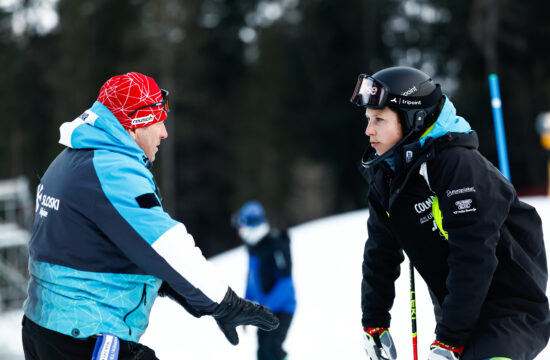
(152, 126)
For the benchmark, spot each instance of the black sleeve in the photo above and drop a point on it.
(167, 291)
(474, 200)
(381, 267)
(282, 257)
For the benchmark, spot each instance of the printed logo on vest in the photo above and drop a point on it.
(45, 202)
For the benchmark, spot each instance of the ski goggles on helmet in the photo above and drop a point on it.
(369, 92)
(374, 94)
(163, 102)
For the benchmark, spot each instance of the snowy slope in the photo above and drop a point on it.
(327, 256)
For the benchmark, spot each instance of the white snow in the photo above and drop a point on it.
(327, 255)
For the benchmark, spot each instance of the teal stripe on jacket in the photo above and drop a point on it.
(82, 304)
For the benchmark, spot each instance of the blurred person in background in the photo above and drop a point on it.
(102, 246)
(432, 195)
(269, 281)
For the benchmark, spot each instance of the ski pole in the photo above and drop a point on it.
(496, 104)
(413, 313)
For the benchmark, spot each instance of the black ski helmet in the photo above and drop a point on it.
(410, 92)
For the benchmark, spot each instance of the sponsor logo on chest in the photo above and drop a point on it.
(424, 205)
(464, 190)
(464, 206)
(45, 202)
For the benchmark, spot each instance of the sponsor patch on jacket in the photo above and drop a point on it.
(464, 190)
(463, 206)
(147, 201)
(88, 117)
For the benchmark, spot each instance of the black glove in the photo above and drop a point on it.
(166, 290)
(234, 311)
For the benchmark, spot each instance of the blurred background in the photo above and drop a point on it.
(259, 95)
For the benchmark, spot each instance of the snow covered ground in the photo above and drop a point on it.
(327, 256)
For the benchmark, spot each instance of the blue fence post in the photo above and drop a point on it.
(496, 104)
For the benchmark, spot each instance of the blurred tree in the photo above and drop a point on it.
(510, 35)
(25, 57)
(11, 104)
(299, 139)
(260, 90)
(96, 40)
(208, 71)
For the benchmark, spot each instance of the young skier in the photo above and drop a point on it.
(433, 196)
(269, 280)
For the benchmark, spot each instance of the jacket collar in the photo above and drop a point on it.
(98, 128)
(409, 158)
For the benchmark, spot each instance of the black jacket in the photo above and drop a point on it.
(484, 263)
(269, 280)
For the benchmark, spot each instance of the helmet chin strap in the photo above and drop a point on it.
(418, 124)
(377, 160)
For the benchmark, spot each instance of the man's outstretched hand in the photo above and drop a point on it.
(234, 311)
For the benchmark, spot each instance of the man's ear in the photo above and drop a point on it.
(132, 133)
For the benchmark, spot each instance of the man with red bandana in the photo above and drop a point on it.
(102, 246)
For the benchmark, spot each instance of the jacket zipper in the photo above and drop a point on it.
(142, 300)
(421, 159)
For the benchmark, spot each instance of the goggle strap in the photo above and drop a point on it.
(163, 103)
